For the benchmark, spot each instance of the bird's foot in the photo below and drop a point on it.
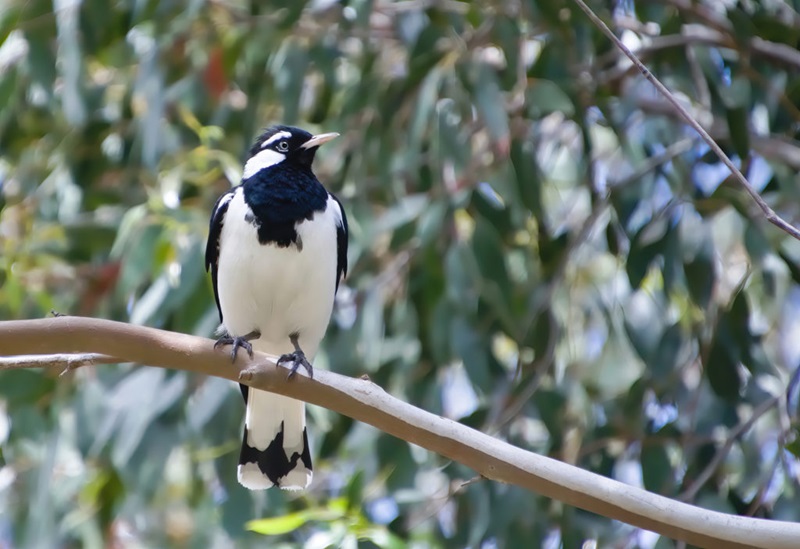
(297, 358)
(239, 342)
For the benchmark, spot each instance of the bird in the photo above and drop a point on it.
(277, 251)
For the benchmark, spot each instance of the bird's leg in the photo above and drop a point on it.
(238, 342)
(298, 357)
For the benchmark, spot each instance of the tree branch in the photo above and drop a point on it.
(774, 147)
(698, 35)
(691, 491)
(363, 400)
(738, 176)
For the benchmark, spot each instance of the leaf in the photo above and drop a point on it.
(438, 335)
(41, 60)
(279, 525)
(617, 368)
(670, 347)
(136, 244)
(462, 276)
(738, 120)
(406, 210)
(431, 221)
(794, 445)
(701, 274)
(354, 494)
(643, 325)
(756, 242)
(551, 405)
(289, 71)
(470, 346)
(739, 317)
(291, 12)
(545, 97)
(148, 306)
(382, 538)
(8, 86)
(722, 364)
(490, 206)
(71, 67)
(214, 77)
(528, 178)
(490, 103)
(372, 328)
(507, 34)
(657, 474)
(424, 118)
(170, 392)
(9, 20)
(736, 95)
(395, 454)
(541, 333)
(480, 512)
(488, 248)
(134, 398)
(649, 242)
(206, 401)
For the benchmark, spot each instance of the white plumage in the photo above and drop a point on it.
(277, 291)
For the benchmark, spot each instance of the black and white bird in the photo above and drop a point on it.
(277, 250)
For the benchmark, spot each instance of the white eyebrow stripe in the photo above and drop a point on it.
(278, 136)
(264, 159)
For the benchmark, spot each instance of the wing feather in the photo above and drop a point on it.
(212, 246)
(341, 243)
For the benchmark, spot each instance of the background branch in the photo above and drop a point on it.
(365, 401)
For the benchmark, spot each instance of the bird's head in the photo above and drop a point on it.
(283, 144)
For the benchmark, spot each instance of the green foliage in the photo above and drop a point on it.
(540, 249)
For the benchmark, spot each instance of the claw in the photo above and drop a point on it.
(298, 358)
(238, 342)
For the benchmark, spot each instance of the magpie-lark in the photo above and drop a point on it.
(277, 249)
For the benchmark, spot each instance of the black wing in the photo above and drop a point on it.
(212, 246)
(341, 245)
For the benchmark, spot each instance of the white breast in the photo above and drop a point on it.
(278, 291)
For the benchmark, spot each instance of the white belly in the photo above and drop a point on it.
(278, 291)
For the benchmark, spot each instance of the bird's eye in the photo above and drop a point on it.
(283, 146)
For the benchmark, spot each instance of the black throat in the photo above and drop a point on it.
(280, 197)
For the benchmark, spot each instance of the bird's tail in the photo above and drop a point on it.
(275, 445)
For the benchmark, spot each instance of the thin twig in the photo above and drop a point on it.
(67, 362)
(538, 368)
(700, 35)
(700, 82)
(763, 488)
(779, 148)
(769, 213)
(722, 452)
(668, 154)
(542, 299)
(790, 388)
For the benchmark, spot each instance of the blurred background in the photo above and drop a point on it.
(539, 249)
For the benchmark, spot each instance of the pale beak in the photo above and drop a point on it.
(318, 140)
